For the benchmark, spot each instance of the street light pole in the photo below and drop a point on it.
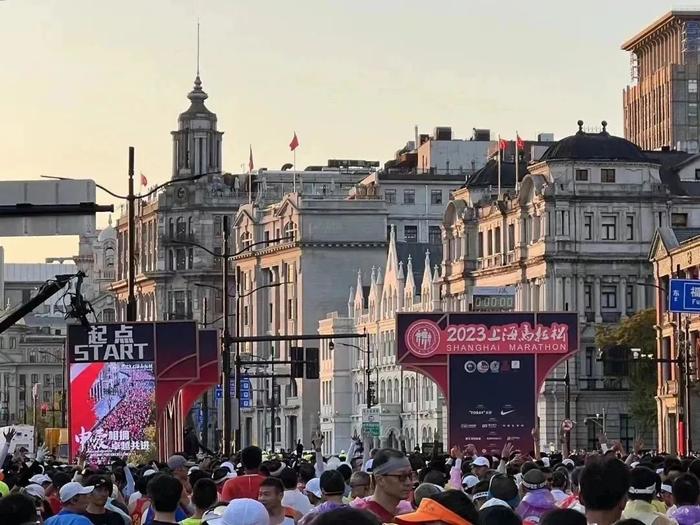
(225, 342)
(131, 277)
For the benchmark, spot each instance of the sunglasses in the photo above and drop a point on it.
(401, 477)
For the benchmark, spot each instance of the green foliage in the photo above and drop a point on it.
(637, 331)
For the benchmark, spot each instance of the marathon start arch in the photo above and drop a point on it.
(490, 365)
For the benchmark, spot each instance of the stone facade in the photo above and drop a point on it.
(675, 253)
(325, 237)
(574, 236)
(407, 405)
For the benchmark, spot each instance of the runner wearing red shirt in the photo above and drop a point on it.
(248, 485)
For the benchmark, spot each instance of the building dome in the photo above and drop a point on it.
(595, 146)
(108, 232)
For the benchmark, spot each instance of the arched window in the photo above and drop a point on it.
(278, 430)
(382, 392)
(397, 398)
(189, 226)
(290, 230)
(406, 392)
(108, 315)
(424, 435)
(246, 239)
(360, 392)
(190, 258)
(109, 255)
(171, 227)
(171, 259)
(390, 392)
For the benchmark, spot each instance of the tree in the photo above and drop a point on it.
(637, 331)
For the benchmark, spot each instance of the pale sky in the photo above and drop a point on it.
(84, 79)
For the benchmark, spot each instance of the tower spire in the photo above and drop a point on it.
(197, 47)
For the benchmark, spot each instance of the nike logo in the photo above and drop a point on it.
(506, 412)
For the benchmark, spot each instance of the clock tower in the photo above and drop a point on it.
(196, 143)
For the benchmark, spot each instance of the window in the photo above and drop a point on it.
(692, 113)
(278, 430)
(582, 175)
(22, 395)
(629, 228)
(190, 258)
(626, 430)
(511, 237)
(390, 196)
(480, 247)
(434, 235)
(47, 379)
(608, 226)
(409, 196)
(590, 356)
(108, 315)
(435, 196)
(22, 380)
(616, 361)
(410, 233)
(587, 297)
(270, 310)
(245, 315)
(629, 298)
(608, 296)
(46, 395)
(592, 422)
(588, 226)
(180, 259)
(35, 379)
(692, 86)
(218, 225)
(32, 356)
(679, 220)
(489, 243)
(181, 228)
(697, 174)
(607, 175)
(497, 239)
(290, 309)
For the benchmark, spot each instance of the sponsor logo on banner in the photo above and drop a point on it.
(424, 338)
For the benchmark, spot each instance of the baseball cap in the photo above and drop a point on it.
(534, 479)
(431, 511)
(39, 479)
(222, 474)
(469, 481)
(149, 472)
(228, 465)
(35, 490)
(242, 511)
(314, 487)
(568, 462)
(177, 461)
(426, 490)
(73, 489)
(481, 462)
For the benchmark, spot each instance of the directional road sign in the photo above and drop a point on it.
(684, 295)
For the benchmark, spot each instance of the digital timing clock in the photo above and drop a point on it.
(493, 299)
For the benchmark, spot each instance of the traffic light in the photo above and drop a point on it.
(297, 368)
(312, 364)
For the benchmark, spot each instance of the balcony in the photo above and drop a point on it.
(610, 317)
(616, 384)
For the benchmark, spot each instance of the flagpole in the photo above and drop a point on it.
(294, 170)
(499, 166)
(250, 176)
(517, 159)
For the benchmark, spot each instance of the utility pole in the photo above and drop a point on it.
(225, 342)
(205, 396)
(131, 277)
(681, 360)
(688, 372)
(368, 371)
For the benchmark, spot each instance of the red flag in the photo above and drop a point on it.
(294, 144)
(502, 144)
(520, 143)
(250, 160)
(144, 180)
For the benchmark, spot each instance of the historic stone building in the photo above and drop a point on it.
(574, 236)
(287, 285)
(407, 405)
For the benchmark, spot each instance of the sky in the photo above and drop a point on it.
(84, 80)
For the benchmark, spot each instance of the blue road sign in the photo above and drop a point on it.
(246, 400)
(684, 295)
(219, 392)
